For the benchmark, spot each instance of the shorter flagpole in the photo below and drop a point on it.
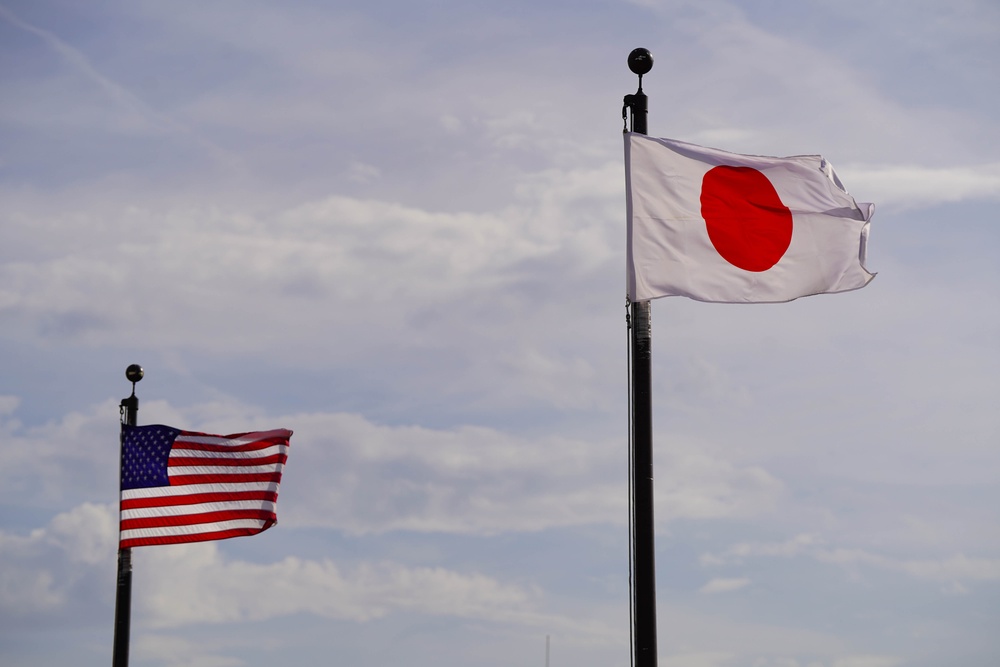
(129, 410)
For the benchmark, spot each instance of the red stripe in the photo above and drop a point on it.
(184, 539)
(195, 519)
(180, 443)
(231, 436)
(226, 478)
(226, 461)
(195, 498)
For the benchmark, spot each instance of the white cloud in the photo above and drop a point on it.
(348, 473)
(8, 404)
(724, 585)
(177, 651)
(714, 659)
(51, 569)
(909, 187)
(364, 173)
(66, 461)
(788, 549)
(57, 568)
(955, 571)
(483, 481)
(194, 584)
(300, 275)
(868, 661)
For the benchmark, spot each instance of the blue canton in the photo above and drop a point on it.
(145, 454)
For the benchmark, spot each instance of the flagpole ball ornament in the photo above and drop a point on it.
(640, 61)
(134, 373)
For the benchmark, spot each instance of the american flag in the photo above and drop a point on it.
(181, 486)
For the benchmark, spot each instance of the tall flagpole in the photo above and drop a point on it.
(129, 410)
(640, 61)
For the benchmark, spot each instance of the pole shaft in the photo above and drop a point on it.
(643, 547)
(123, 597)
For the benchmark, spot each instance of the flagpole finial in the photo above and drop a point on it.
(133, 374)
(640, 61)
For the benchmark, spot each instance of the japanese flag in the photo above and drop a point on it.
(728, 228)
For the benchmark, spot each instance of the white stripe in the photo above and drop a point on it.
(254, 454)
(174, 471)
(167, 531)
(244, 440)
(190, 489)
(201, 508)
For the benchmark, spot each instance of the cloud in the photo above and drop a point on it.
(868, 661)
(908, 187)
(362, 477)
(57, 570)
(714, 659)
(351, 474)
(195, 584)
(60, 463)
(721, 585)
(54, 571)
(129, 114)
(244, 276)
(177, 651)
(953, 572)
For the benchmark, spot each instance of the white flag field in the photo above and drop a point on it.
(728, 228)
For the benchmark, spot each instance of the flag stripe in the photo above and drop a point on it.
(159, 491)
(198, 498)
(182, 461)
(195, 529)
(195, 519)
(196, 508)
(190, 487)
(185, 534)
(224, 478)
(278, 435)
(234, 470)
(227, 446)
(265, 449)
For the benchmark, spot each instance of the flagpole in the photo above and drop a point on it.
(129, 410)
(640, 61)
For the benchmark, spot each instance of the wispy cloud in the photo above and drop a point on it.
(723, 585)
(910, 187)
(957, 568)
(139, 114)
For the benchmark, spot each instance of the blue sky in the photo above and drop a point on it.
(398, 229)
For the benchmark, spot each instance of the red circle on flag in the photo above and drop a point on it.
(747, 223)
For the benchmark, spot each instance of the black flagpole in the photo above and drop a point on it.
(123, 601)
(640, 61)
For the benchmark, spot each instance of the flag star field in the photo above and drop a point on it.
(375, 260)
(145, 453)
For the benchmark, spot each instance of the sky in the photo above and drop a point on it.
(398, 229)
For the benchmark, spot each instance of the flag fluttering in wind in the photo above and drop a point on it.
(728, 228)
(181, 486)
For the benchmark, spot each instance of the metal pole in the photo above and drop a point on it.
(123, 600)
(644, 555)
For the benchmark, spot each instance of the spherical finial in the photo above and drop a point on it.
(640, 61)
(134, 373)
